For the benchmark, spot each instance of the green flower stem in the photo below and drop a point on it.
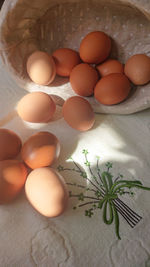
(105, 183)
(109, 180)
(111, 217)
(69, 169)
(85, 197)
(98, 171)
(116, 179)
(100, 178)
(82, 186)
(88, 203)
(125, 182)
(79, 169)
(91, 172)
(101, 203)
(86, 177)
(92, 183)
(116, 221)
(130, 185)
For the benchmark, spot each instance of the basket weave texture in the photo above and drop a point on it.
(26, 26)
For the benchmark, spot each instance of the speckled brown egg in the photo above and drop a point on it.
(78, 113)
(95, 47)
(65, 59)
(40, 150)
(110, 66)
(46, 191)
(83, 79)
(10, 144)
(112, 89)
(137, 69)
(41, 68)
(36, 107)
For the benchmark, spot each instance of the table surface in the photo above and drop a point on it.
(29, 239)
(73, 239)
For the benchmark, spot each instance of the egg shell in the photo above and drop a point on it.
(40, 150)
(112, 89)
(78, 113)
(41, 68)
(13, 175)
(95, 47)
(110, 66)
(10, 144)
(83, 79)
(46, 191)
(65, 59)
(137, 69)
(36, 107)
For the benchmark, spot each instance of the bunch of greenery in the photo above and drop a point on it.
(106, 190)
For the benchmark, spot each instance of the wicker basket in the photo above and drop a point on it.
(27, 25)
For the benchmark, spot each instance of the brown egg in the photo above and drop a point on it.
(83, 79)
(78, 113)
(95, 47)
(13, 175)
(137, 69)
(65, 59)
(112, 89)
(46, 191)
(40, 150)
(36, 107)
(110, 66)
(41, 68)
(10, 144)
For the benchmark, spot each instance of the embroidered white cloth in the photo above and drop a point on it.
(73, 239)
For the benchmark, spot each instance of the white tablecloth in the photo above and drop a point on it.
(73, 239)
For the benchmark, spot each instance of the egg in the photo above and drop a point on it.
(95, 47)
(13, 175)
(110, 66)
(10, 144)
(41, 68)
(112, 89)
(36, 107)
(137, 69)
(65, 59)
(78, 113)
(40, 150)
(46, 191)
(83, 79)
